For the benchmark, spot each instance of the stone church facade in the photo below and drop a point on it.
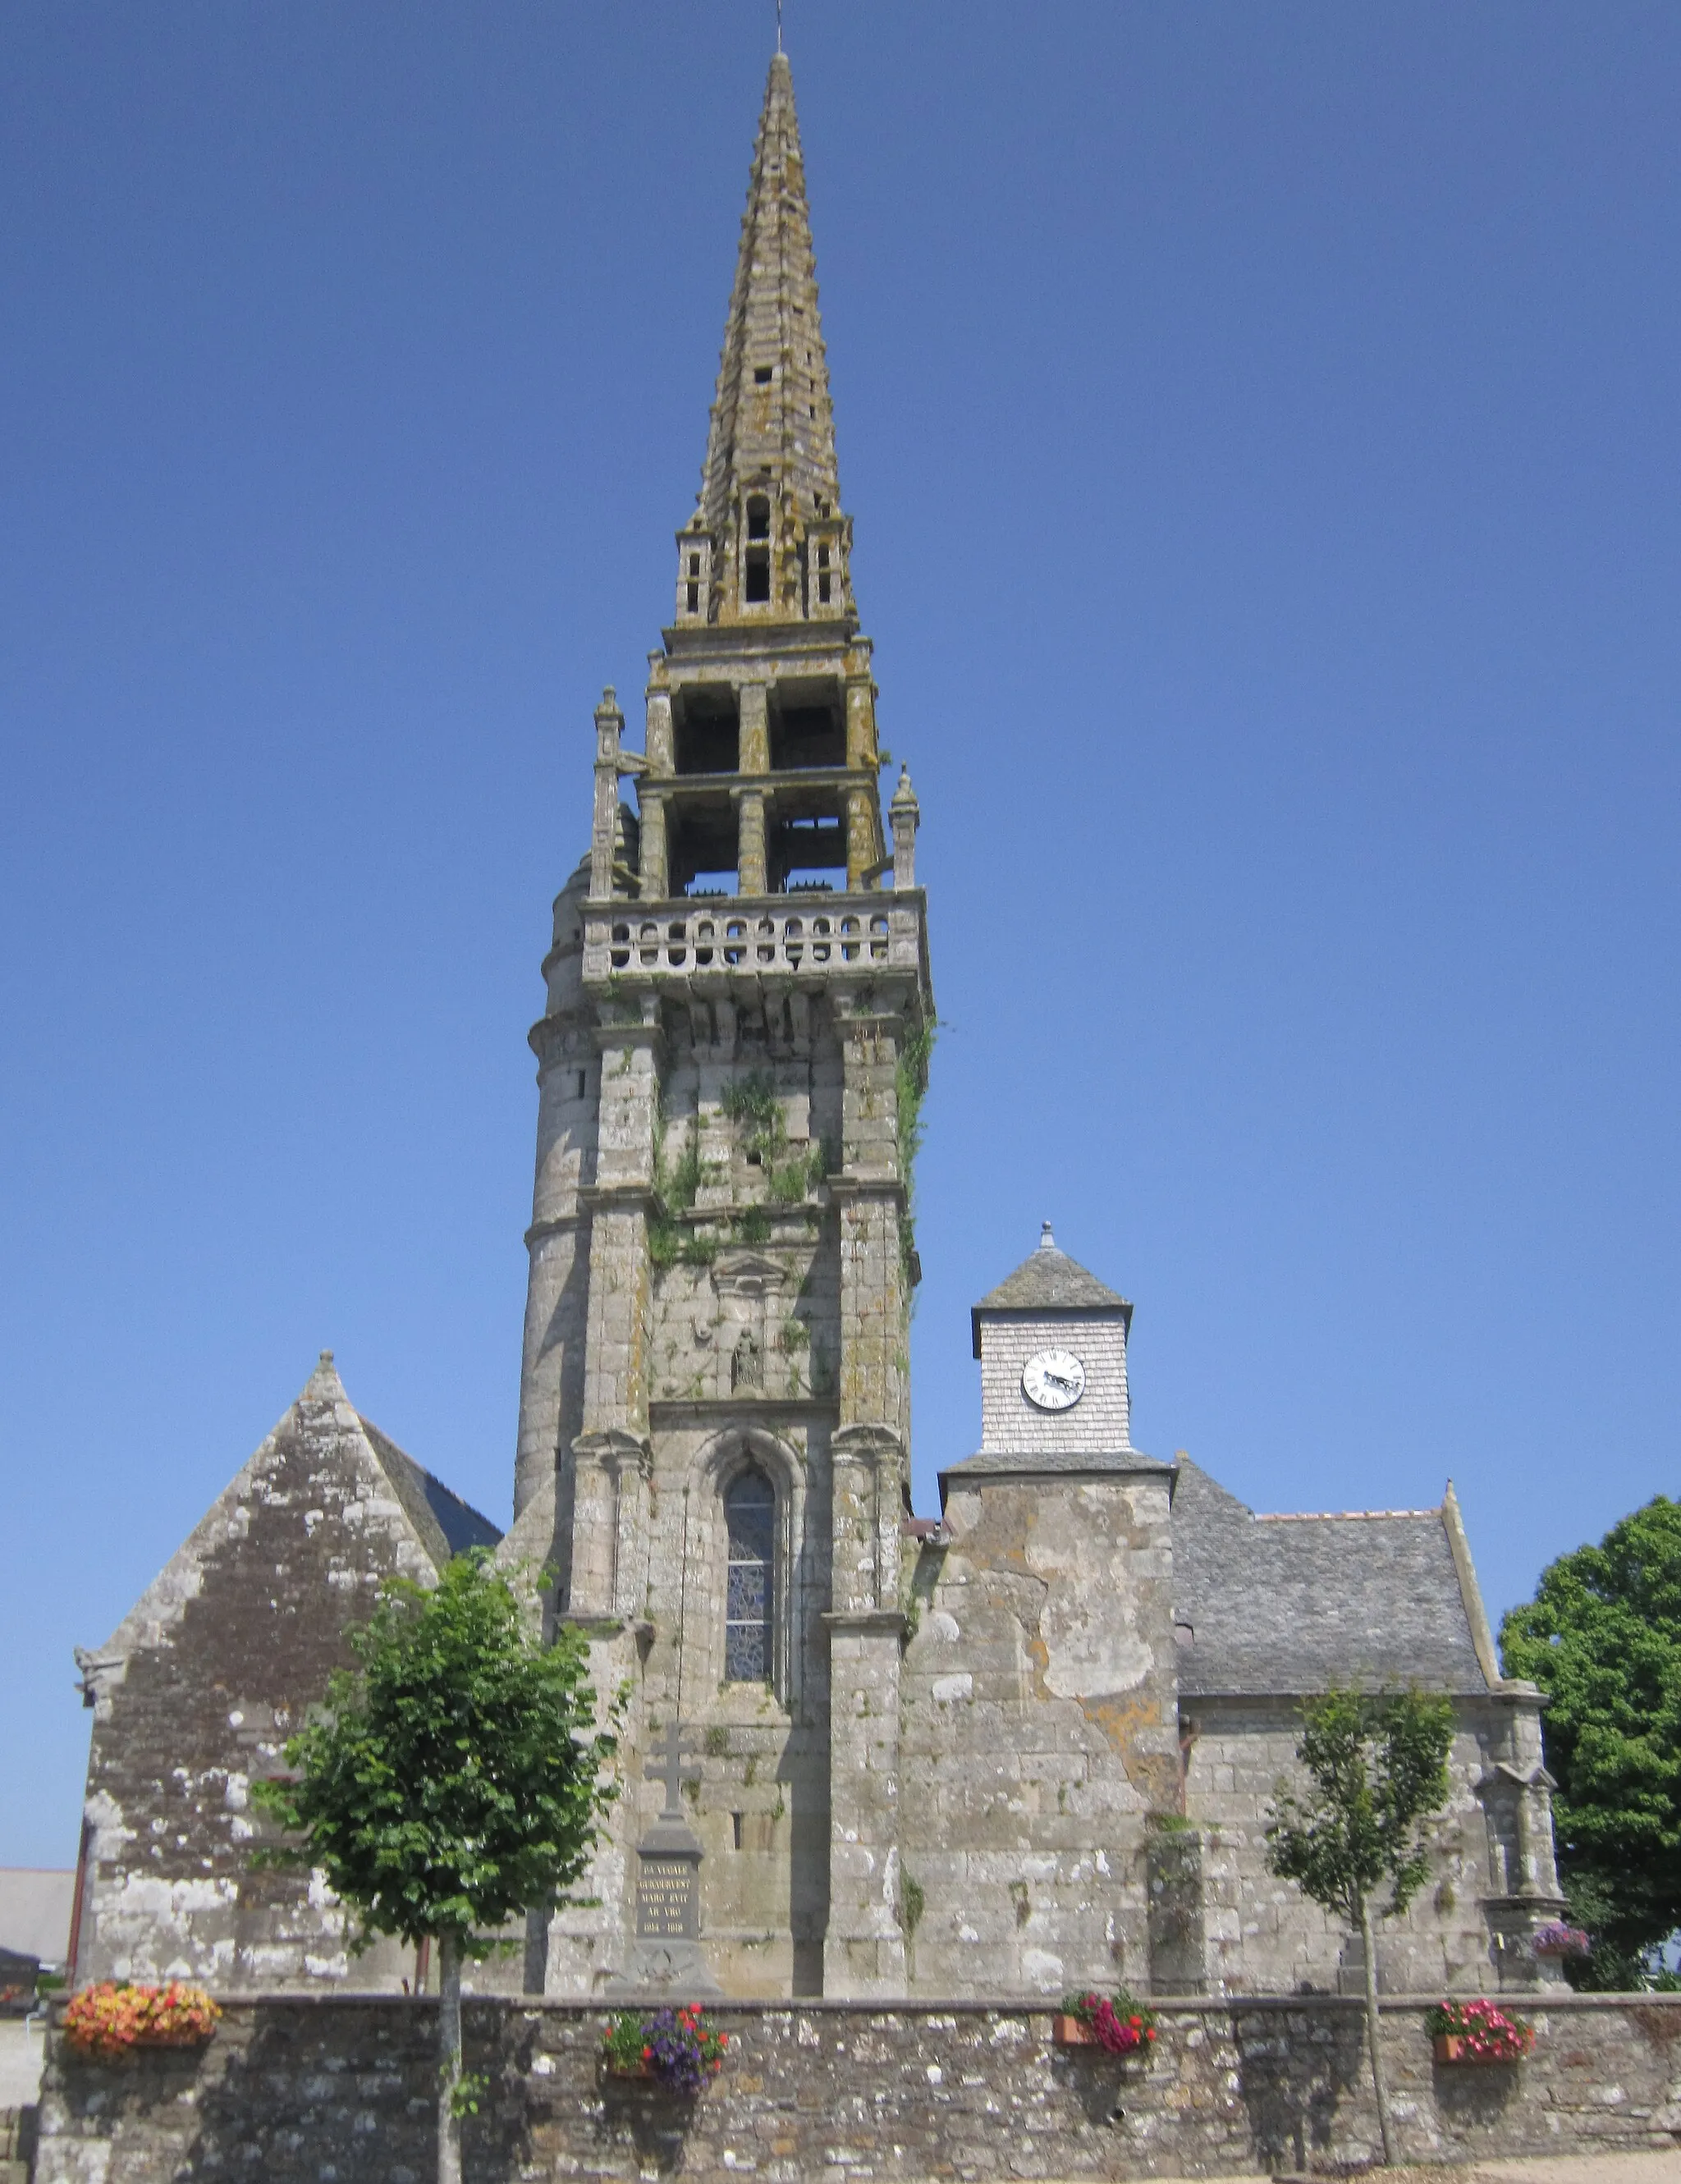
(1027, 1745)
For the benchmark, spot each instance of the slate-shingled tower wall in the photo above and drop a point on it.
(719, 1258)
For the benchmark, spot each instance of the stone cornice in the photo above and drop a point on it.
(885, 1184)
(865, 1622)
(624, 1197)
(738, 1409)
(555, 1224)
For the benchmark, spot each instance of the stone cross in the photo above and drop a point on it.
(670, 1770)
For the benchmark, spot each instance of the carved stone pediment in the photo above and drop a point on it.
(747, 1273)
(1503, 1775)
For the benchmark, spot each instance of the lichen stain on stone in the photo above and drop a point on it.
(1153, 1774)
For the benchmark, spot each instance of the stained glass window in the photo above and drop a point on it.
(750, 1518)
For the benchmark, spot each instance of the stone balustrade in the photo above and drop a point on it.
(777, 937)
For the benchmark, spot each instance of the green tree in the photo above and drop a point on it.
(452, 1781)
(1377, 1765)
(1602, 1637)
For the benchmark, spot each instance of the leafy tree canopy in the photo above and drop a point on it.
(1602, 1637)
(1378, 1767)
(453, 1779)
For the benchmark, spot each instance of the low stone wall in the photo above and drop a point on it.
(17, 2144)
(339, 2090)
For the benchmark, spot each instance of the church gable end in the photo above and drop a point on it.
(200, 1686)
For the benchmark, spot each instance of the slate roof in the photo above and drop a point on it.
(1048, 1281)
(324, 1422)
(447, 1524)
(1289, 1605)
(1003, 1462)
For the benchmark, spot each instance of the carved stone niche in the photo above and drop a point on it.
(1524, 1894)
(747, 1284)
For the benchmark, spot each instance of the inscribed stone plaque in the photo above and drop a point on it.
(668, 1898)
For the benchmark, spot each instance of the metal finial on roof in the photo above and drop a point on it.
(1046, 1241)
(779, 25)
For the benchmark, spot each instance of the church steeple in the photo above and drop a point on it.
(715, 1412)
(759, 775)
(767, 542)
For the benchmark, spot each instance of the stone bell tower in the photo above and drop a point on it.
(715, 1415)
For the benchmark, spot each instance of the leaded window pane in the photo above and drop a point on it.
(749, 1519)
(745, 1661)
(745, 1598)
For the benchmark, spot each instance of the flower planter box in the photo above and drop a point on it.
(1072, 2032)
(629, 2070)
(1455, 2047)
(111, 2020)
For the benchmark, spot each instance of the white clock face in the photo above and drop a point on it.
(1054, 1380)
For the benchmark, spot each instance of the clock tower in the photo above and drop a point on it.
(714, 1405)
(1052, 1344)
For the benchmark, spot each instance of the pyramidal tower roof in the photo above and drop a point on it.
(1047, 1280)
(772, 417)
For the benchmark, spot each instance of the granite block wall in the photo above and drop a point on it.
(1262, 1933)
(1040, 1732)
(338, 2091)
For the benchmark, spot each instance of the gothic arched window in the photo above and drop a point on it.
(750, 1520)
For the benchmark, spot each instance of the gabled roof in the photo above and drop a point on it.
(428, 1525)
(1286, 1605)
(1048, 1281)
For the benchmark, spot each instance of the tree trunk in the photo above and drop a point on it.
(449, 2057)
(1373, 2040)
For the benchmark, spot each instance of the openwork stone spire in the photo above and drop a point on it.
(772, 424)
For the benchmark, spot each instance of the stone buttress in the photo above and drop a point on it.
(715, 1407)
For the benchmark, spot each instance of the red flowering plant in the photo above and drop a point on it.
(679, 2047)
(108, 2020)
(1123, 2025)
(1485, 2033)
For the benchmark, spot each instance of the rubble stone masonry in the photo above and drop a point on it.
(299, 2087)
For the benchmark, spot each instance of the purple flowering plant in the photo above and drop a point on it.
(679, 2046)
(1558, 1940)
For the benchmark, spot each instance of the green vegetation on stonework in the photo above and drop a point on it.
(914, 1902)
(790, 1183)
(452, 1781)
(675, 1190)
(910, 1085)
(1602, 1638)
(752, 1105)
(1376, 1768)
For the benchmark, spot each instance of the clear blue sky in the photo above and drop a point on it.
(1261, 428)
